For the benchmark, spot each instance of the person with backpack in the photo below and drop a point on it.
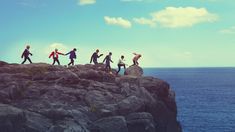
(107, 61)
(72, 56)
(121, 63)
(95, 56)
(26, 54)
(55, 54)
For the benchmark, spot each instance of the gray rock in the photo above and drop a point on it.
(134, 71)
(110, 124)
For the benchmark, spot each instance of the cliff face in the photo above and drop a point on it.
(83, 98)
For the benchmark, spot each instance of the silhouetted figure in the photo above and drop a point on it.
(95, 57)
(107, 61)
(55, 54)
(121, 63)
(136, 58)
(72, 56)
(26, 54)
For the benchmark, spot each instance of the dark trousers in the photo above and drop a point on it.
(56, 60)
(25, 59)
(119, 67)
(71, 62)
(135, 62)
(108, 67)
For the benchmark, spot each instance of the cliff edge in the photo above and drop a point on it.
(83, 98)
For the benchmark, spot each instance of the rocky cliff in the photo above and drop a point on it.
(83, 98)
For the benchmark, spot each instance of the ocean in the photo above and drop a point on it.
(205, 97)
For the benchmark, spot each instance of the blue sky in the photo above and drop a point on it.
(168, 33)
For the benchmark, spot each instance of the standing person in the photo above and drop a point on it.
(95, 56)
(107, 61)
(121, 63)
(72, 56)
(136, 58)
(55, 54)
(26, 54)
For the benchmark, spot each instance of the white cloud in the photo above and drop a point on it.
(230, 30)
(117, 21)
(86, 2)
(144, 21)
(176, 17)
(61, 47)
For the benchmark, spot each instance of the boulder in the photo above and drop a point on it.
(134, 71)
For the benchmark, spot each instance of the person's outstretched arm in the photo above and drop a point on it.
(60, 53)
(68, 53)
(91, 58)
(100, 55)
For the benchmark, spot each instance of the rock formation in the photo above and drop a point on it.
(83, 98)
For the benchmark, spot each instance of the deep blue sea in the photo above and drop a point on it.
(205, 97)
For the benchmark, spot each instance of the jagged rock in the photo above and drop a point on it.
(134, 71)
(110, 124)
(140, 122)
(83, 98)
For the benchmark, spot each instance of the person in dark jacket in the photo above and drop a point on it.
(55, 54)
(107, 61)
(72, 56)
(95, 56)
(26, 54)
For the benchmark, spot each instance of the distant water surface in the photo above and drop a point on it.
(205, 97)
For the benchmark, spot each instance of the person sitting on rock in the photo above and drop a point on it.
(72, 56)
(26, 54)
(136, 58)
(121, 63)
(95, 57)
(55, 54)
(107, 61)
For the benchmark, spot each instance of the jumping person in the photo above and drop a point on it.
(72, 56)
(26, 54)
(107, 61)
(55, 55)
(121, 63)
(95, 56)
(136, 58)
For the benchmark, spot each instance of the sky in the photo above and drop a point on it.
(168, 33)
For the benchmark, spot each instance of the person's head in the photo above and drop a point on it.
(74, 49)
(27, 47)
(97, 51)
(122, 57)
(110, 53)
(56, 50)
(140, 55)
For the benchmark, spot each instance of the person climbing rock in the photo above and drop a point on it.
(136, 58)
(55, 54)
(26, 54)
(72, 56)
(121, 63)
(107, 61)
(95, 56)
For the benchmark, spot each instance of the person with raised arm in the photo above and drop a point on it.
(72, 56)
(95, 56)
(55, 54)
(136, 58)
(107, 61)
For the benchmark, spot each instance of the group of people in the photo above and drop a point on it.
(94, 58)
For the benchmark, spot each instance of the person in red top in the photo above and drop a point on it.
(55, 54)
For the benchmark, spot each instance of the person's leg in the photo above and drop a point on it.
(72, 62)
(29, 60)
(24, 60)
(54, 59)
(134, 62)
(58, 61)
(119, 68)
(137, 63)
